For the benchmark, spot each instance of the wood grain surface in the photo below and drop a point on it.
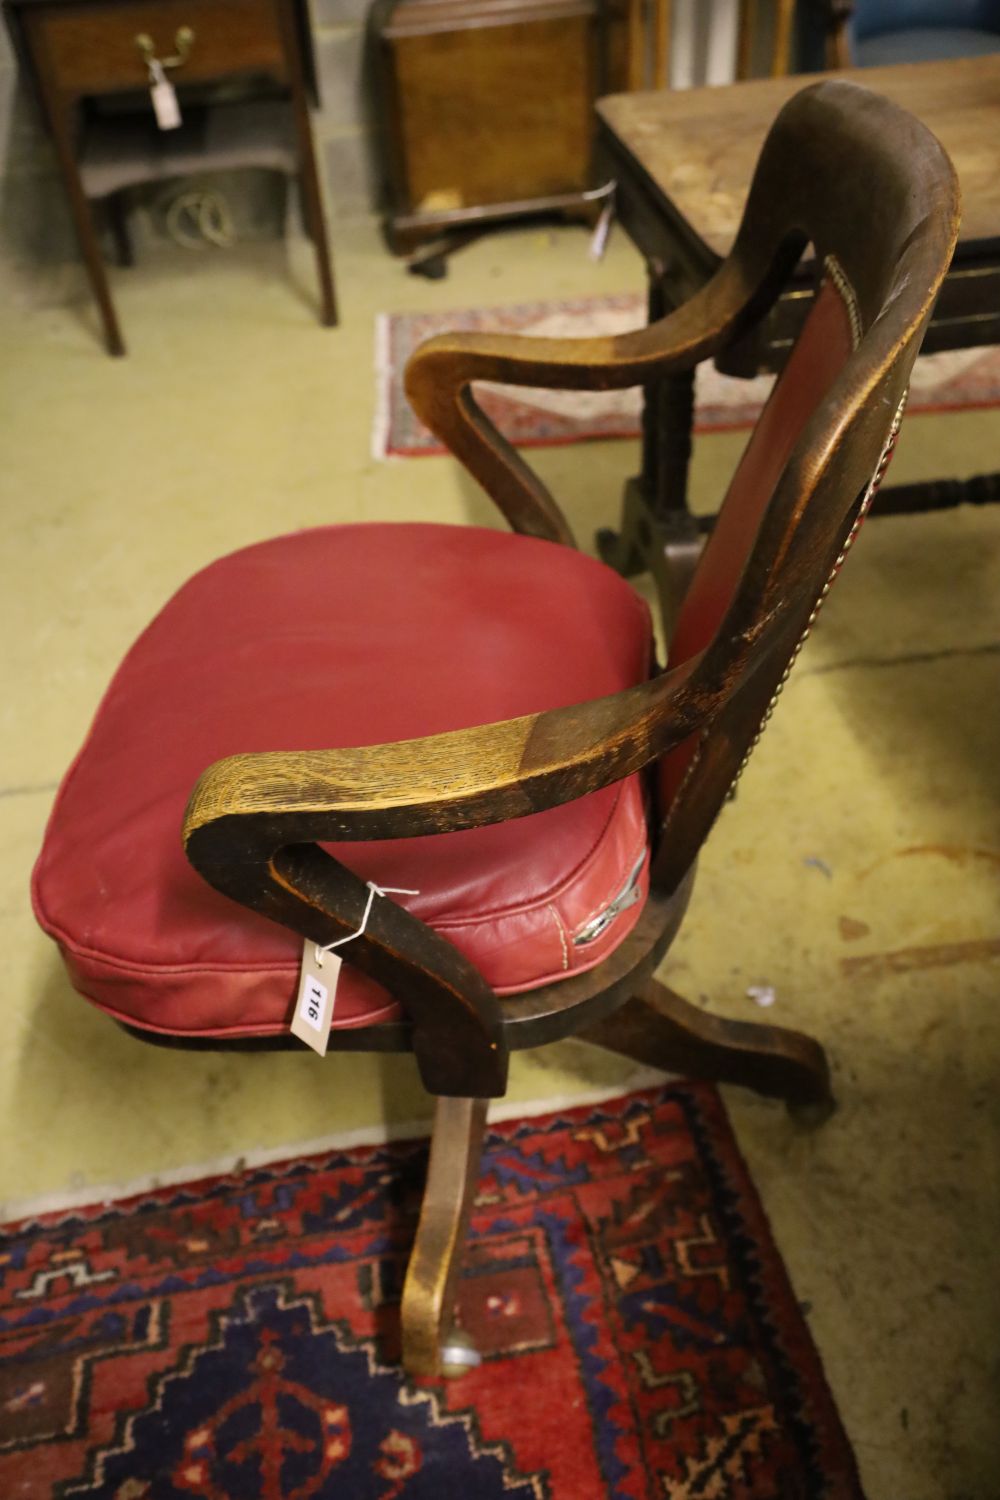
(698, 147)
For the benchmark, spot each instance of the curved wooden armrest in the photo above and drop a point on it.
(254, 824)
(444, 782)
(441, 370)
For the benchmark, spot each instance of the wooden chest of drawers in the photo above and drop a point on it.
(92, 48)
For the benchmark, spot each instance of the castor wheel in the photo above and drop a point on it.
(459, 1355)
(435, 268)
(812, 1115)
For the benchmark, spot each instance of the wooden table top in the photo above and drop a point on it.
(698, 147)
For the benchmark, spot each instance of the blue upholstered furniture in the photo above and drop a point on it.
(872, 33)
(891, 31)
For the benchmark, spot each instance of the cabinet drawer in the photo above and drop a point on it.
(92, 48)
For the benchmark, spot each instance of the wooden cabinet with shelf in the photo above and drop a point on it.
(80, 50)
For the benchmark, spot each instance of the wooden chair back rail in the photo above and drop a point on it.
(651, 30)
(801, 192)
(254, 821)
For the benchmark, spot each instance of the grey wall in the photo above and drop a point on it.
(345, 127)
(34, 222)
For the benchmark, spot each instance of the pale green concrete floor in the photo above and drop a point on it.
(867, 824)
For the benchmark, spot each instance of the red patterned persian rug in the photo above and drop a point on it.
(953, 381)
(237, 1338)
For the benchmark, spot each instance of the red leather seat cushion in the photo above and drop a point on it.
(341, 636)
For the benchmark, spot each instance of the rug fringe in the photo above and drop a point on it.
(383, 386)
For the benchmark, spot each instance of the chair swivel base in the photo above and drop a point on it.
(655, 1027)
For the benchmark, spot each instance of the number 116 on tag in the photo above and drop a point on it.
(314, 1001)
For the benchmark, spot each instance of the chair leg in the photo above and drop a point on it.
(429, 1289)
(659, 1028)
(118, 224)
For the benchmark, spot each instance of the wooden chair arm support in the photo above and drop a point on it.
(255, 822)
(457, 1025)
(440, 372)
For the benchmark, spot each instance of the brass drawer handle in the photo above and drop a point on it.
(183, 42)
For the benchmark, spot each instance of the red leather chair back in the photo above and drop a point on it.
(828, 338)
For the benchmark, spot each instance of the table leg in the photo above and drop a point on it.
(668, 422)
(658, 534)
(83, 221)
(117, 218)
(57, 109)
(312, 196)
(921, 496)
(316, 221)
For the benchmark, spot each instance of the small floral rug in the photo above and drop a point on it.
(237, 1337)
(956, 380)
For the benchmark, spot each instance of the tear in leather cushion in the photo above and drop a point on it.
(333, 637)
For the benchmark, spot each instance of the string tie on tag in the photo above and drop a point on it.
(373, 891)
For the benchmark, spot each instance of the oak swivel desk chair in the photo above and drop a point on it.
(476, 714)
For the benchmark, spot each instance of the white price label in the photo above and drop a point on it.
(164, 97)
(317, 991)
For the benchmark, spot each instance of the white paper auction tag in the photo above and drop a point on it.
(602, 229)
(320, 971)
(313, 1016)
(164, 97)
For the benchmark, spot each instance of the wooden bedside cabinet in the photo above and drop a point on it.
(93, 49)
(487, 108)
